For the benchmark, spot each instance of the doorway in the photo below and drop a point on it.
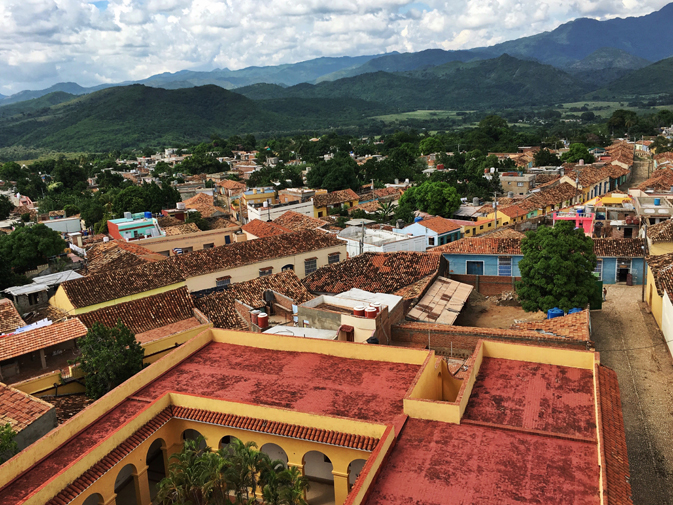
(623, 269)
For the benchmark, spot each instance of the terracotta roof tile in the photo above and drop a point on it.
(334, 198)
(219, 306)
(298, 222)
(16, 344)
(661, 180)
(106, 286)
(661, 232)
(662, 271)
(375, 272)
(199, 199)
(252, 251)
(479, 245)
(575, 326)
(614, 439)
(439, 224)
(182, 229)
(117, 254)
(146, 313)
(619, 247)
(168, 221)
(261, 229)
(513, 211)
(20, 409)
(232, 185)
(10, 319)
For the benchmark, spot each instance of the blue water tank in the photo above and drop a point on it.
(575, 310)
(555, 312)
(657, 201)
(148, 214)
(417, 219)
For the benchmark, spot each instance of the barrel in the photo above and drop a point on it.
(376, 305)
(263, 320)
(148, 215)
(657, 201)
(555, 312)
(370, 313)
(254, 317)
(359, 311)
(574, 311)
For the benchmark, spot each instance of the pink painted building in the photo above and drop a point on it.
(581, 220)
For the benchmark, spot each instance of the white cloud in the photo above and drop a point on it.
(46, 41)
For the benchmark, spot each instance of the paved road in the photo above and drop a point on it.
(630, 343)
(641, 168)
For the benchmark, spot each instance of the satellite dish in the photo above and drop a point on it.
(579, 186)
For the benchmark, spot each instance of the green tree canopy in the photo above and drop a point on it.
(109, 356)
(333, 175)
(8, 446)
(545, 158)
(6, 206)
(557, 269)
(577, 152)
(438, 198)
(27, 247)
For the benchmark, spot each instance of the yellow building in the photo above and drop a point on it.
(660, 238)
(508, 215)
(364, 423)
(481, 226)
(323, 202)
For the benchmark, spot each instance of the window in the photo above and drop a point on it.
(319, 214)
(598, 271)
(286, 268)
(33, 298)
(310, 266)
(520, 184)
(333, 258)
(223, 281)
(227, 239)
(208, 246)
(505, 266)
(481, 227)
(431, 240)
(263, 272)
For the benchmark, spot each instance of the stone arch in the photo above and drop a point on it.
(94, 499)
(354, 469)
(190, 434)
(318, 469)
(156, 462)
(287, 267)
(225, 442)
(275, 451)
(125, 485)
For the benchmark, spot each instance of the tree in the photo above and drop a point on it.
(577, 152)
(385, 212)
(195, 217)
(71, 210)
(338, 173)
(6, 207)
(545, 158)
(438, 198)
(431, 145)
(27, 247)
(109, 356)
(557, 269)
(8, 446)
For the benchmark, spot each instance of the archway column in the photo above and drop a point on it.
(340, 486)
(142, 486)
(112, 500)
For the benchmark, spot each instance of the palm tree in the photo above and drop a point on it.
(185, 480)
(245, 463)
(270, 481)
(295, 486)
(385, 212)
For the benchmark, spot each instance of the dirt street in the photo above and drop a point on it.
(630, 343)
(482, 312)
(641, 169)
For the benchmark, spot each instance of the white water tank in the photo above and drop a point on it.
(181, 206)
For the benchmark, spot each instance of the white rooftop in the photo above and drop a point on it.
(27, 289)
(296, 331)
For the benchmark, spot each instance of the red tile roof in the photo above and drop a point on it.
(661, 232)
(219, 306)
(513, 211)
(10, 319)
(182, 229)
(199, 199)
(619, 247)
(374, 272)
(232, 185)
(479, 245)
(146, 313)
(334, 198)
(261, 229)
(298, 222)
(117, 254)
(20, 409)
(439, 225)
(17, 344)
(662, 271)
(106, 286)
(614, 439)
(253, 251)
(575, 326)
(661, 180)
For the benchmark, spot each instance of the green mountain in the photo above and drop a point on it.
(36, 104)
(66, 87)
(455, 85)
(137, 115)
(654, 79)
(605, 65)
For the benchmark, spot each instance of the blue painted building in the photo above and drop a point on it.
(438, 230)
(617, 258)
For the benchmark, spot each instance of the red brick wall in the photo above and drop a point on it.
(487, 285)
(464, 339)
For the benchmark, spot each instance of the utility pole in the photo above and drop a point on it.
(495, 207)
(644, 281)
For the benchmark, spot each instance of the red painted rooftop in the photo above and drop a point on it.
(528, 436)
(306, 382)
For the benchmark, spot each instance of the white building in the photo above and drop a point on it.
(268, 212)
(379, 241)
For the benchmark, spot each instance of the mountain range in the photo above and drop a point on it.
(595, 52)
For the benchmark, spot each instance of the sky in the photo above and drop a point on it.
(43, 42)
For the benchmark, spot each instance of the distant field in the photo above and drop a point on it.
(607, 108)
(419, 114)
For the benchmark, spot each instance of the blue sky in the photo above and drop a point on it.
(43, 42)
